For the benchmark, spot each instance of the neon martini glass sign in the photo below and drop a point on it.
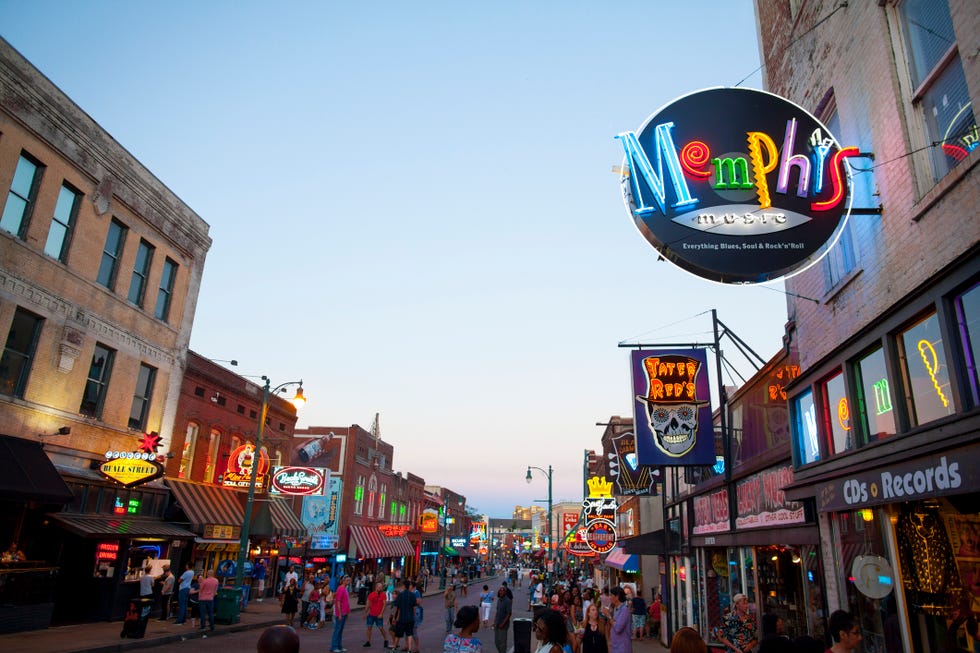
(737, 185)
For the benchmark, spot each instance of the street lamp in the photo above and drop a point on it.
(550, 533)
(298, 400)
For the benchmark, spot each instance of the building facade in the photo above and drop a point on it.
(885, 413)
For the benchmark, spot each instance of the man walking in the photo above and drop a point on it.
(622, 620)
(205, 596)
(184, 593)
(501, 620)
(404, 612)
(166, 592)
(376, 601)
(341, 608)
(258, 576)
(449, 600)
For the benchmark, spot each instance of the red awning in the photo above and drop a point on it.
(368, 542)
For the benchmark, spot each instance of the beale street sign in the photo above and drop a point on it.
(736, 185)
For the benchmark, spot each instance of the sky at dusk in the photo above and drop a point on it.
(413, 204)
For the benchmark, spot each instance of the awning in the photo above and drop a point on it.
(109, 526)
(466, 552)
(652, 543)
(368, 542)
(207, 504)
(449, 551)
(619, 559)
(26, 473)
(284, 520)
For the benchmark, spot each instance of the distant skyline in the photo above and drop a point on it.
(413, 205)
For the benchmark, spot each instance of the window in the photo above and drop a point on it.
(837, 414)
(20, 200)
(114, 242)
(63, 223)
(211, 463)
(806, 439)
(141, 270)
(166, 291)
(359, 496)
(381, 501)
(141, 397)
(187, 453)
(967, 308)
(875, 396)
(926, 372)
(372, 493)
(18, 353)
(937, 79)
(98, 381)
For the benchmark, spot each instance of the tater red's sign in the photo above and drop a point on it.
(736, 185)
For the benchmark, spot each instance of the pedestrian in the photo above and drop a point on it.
(305, 596)
(449, 601)
(278, 639)
(639, 610)
(687, 640)
(844, 631)
(146, 583)
(341, 608)
(592, 633)
(404, 609)
(468, 622)
(418, 616)
(290, 575)
(653, 614)
(486, 602)
(206, 592)
(737, 630)
(258, 576)
(289, 599)
(194, 601)
(619, 632)
(166, 592)
(327, 597)
(773, 638)
(376, 602)
(501, 620)
(183, 594)
(312, 621)
(550, 631)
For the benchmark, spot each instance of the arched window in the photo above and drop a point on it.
(372, 494)
(187, 453)
(381, 501)
(211, 464)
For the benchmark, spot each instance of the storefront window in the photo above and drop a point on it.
(187, 454)
(717, 585)
(781, 587)
(805, 438)
(867, 578)
(211, 463)
(875, 396)
(837, 414)
(968, 320)
(927, 373)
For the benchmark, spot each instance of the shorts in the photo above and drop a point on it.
(375, 621)
(639, 620)
(405, 629)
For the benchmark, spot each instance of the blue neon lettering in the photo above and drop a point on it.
(665, 152)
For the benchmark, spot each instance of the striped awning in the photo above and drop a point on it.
(109, 526)
(465, 552)
(619, 559)
(368, 542)
(284, 520)
(207, 504)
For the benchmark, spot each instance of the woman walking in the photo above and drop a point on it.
(290, 601)
(593, 631)
(468, 622)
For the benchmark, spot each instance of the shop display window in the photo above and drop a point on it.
(926, 371)
(875, 396)
(806, 440)
(837, 414)
(968, 320)
(781, 587)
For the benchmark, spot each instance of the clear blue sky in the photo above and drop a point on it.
(413, 206)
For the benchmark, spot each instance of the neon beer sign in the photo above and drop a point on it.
(736, 185)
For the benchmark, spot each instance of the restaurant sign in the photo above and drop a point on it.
(130, 472)
(393, 530)
(600, 512)
(429, 521)
(298, 480)
(711, 513)
(736, 185)
(762, 502)
(240, 464)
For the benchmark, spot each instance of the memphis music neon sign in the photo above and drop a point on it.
(736, 185)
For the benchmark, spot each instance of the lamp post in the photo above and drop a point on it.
(550, 533)
(298, 400)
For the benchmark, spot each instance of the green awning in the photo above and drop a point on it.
(449, 551)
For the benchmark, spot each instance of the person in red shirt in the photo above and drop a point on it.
(376, 601)
(205, 595)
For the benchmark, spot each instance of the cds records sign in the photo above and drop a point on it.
(736, 185)
(298, 480)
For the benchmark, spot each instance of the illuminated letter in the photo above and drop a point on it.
(638, 162)
(788, 162)
(756, 141)
(819, 156)
(693, 157)
(931, 361)
(835, 178)
(883, 397)
(736, 169)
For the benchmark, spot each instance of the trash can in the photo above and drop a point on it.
(226, 605)
(137, 614)
(522, 635)
(362, 595)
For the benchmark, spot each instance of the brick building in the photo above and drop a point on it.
(885, 414)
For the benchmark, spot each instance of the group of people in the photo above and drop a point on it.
(196, 594)
(312, 599)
